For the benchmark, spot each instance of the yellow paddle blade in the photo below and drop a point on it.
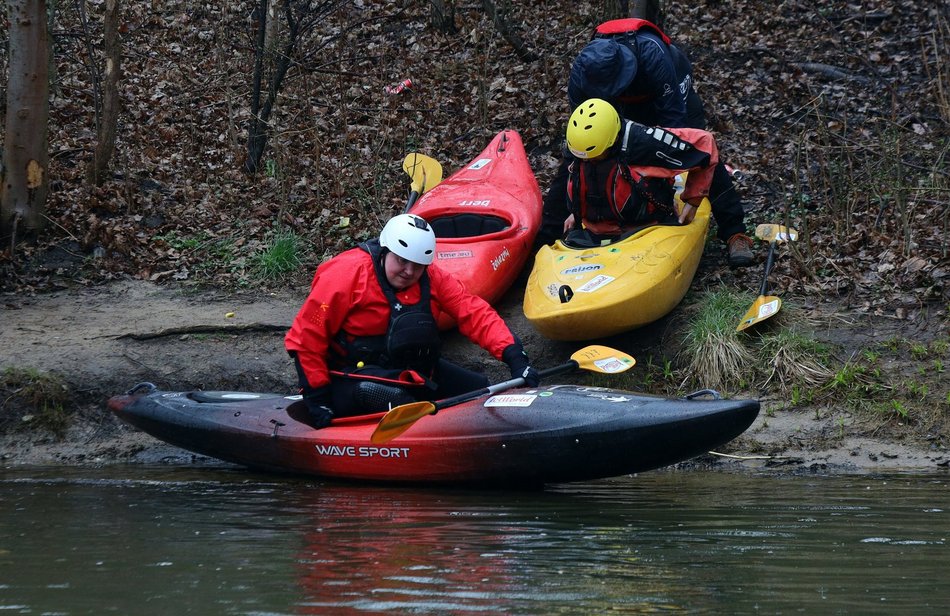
(603, 359)
(763, 307)
(426, 172)
(776, 233)
(400, 419)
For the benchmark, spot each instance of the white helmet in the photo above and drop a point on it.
(410, 237)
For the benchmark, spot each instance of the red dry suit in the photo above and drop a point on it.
(632, 185)
(346, 299)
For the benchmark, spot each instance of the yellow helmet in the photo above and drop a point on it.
(593, 128)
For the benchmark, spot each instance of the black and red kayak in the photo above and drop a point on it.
(552, 434)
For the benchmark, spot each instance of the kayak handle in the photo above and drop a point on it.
(144, 388)
(712, 393)
(565, 293)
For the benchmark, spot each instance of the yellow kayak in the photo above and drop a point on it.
(585, 293)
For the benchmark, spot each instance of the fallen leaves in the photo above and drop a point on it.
(810, 105)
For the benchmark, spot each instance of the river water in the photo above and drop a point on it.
(215, 540)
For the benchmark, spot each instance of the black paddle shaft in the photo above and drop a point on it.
(459, 399)
(769, 260)
(413, 197)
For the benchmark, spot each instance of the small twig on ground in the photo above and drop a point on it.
(735, 457)
(205, 329)
(830, 71)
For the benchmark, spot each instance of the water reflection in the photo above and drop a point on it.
(431, 552)
(137, 540)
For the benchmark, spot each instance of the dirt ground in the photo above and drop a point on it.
(105, 339)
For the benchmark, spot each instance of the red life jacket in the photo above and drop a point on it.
(609, 196)
(619, 27)
(412, 339)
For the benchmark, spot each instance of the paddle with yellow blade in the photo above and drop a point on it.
(426, 173)
(766, 306)
(594, 358)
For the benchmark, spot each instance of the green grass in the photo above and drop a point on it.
(712, 352)
(204, 253)
(782, 358)
(873, 381)
(790, 358)
(279, 258)
(33, 399)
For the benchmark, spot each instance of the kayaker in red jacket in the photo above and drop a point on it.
(633, 65)
(366, 337)
(620, 174)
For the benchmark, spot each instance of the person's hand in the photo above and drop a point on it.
(531, 377)
(519, 365)
(687, 213)
(318, 406)
(320, 416)
(568, 223)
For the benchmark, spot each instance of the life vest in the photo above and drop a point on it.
(411, 340)
(611, 195)
(618, 28)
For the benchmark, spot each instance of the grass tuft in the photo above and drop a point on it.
(794, 360)
(714, 355)
(280, 258)
(34, 400)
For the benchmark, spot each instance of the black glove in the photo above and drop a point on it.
(318, 405)
(518, 363)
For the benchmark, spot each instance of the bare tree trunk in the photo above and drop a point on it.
(273, 60)
(651, 10)
(23, 172)
(617, 9)
(108, 122)
(442, 16)
(256, 129)
(272, 26)
(504, 28)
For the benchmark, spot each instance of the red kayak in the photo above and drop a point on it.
(524, 437)
(485, 217)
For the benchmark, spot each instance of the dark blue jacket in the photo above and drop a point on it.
(662, 78)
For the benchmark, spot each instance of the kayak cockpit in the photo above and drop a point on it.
(457, 226)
